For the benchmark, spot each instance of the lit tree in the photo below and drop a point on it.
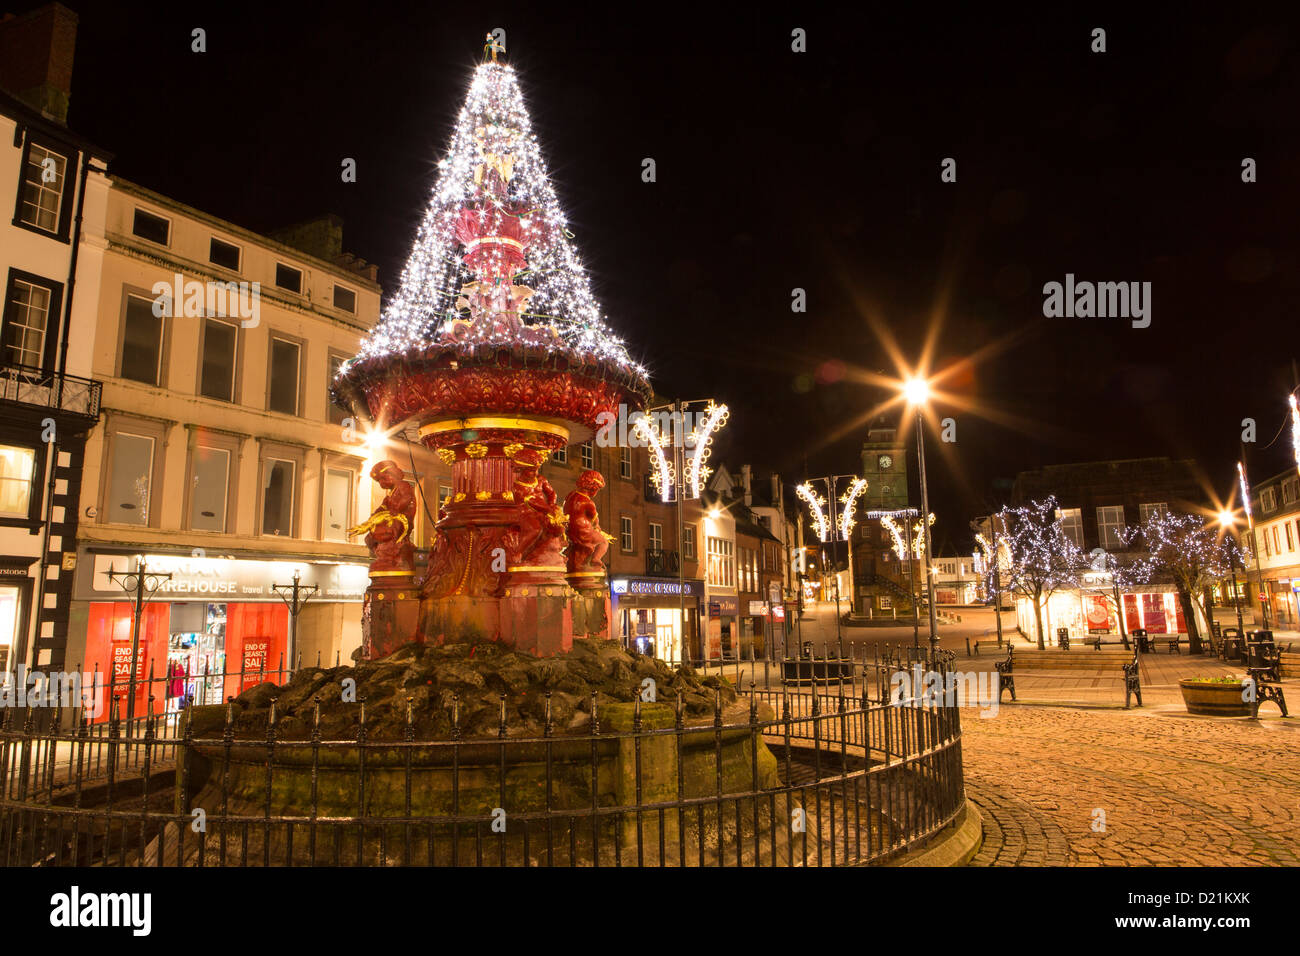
(1183, 549)
(492, 264)
(1042, 557)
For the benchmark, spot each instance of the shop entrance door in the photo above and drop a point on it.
(12, 604)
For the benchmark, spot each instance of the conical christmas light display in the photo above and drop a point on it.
(494, 347)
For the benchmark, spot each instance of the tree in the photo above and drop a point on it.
(1184, 550)
(1042, 558)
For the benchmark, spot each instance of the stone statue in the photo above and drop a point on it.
(587, 543)
(388, 529)
(540, 534)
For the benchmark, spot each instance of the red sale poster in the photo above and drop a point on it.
(1097, 610)
(1153, 613)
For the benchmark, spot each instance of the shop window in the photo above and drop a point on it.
(130, 479)
(44, 181)
(287, 277)
(282, 377)
(625, 463)
(141, 341)
(30, 313)
(1072, 524)
(209, 487)
(345, 299)
(224, 254)
(721, 562)
(688, 542)
(148, 226)
(278, 478)
(217, 379)
(588, 455)
(1110, 527)
(17, 469)
(625, 532)
(338, 505)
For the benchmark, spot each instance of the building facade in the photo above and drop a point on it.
(55, 184)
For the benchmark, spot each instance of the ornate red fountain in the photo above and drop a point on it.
(495, 349)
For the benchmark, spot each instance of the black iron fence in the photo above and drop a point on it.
(825, 770)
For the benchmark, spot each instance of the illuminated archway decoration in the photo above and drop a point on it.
(900, 545)
(647, 429)
(817, 505)
(1245, 491)
(849, 500)
(1295, 430)
(701, 439)
(918, 536)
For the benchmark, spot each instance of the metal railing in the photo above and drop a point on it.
(660, 562)
(828, 771)
(34, 386)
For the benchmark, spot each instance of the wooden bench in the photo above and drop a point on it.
(1062, 665)
(1096, 640)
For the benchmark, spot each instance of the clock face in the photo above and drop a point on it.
(885, 462)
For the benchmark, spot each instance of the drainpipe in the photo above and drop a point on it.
(53, 455)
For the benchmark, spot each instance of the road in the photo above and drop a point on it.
(818, 626)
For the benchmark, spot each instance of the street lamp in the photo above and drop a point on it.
(917, 392)
(1228, 522)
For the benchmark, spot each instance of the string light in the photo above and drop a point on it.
(918, 536)
(701, 439)
(1295, 430)
(518, 262)
(850, 500)
(817, 505)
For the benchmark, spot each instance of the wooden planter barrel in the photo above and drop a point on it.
(1214, 699)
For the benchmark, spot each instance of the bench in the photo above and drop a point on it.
(973, 650)
(1265, 670)
(1060, 664)
(1096, 640)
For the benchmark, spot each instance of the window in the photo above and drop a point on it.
(625, 463)
(141, 341)
(1110, 527)
(345, 299)
(1268, 551)
(625, 532)
(1072, 524)
(148, 226)
(287, 277)
(43, 185)
(17, 469)
(1152, 508)
(338, 505)
(217, 376)
(224, 254)
(336, 414)
(130, 479)
(722, 564)
(1277, 544)
(277, 497)
(1288, 491)
(688, 541)
(560, 455)
(656, 536)
(30, 308)
(1267, 500)
(444, 495)
(588, 455)
(208, 493)
(1290, 543)
(282, 377)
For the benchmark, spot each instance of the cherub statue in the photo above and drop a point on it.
(541, 526)
(388, 529)
(587, 543)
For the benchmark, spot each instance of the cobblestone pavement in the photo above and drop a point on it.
(1174, 790)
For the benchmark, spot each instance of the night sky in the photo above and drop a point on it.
(818, 170)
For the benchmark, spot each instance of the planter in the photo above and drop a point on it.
(1214, 698)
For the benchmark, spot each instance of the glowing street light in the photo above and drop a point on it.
(916, 391)
(1228, 522)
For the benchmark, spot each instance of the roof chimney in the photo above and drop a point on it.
(745, 477)
(36, 52)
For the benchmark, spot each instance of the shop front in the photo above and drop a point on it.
(724, 630)
(646, 615)
(1092, 613)
(212, 627)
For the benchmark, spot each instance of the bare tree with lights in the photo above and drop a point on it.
(1182, 549)
(1043, 559)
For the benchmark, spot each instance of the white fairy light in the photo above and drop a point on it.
(817, 505)
(850, 500)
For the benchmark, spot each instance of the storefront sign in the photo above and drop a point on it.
(654, 586)
(757, 609)
(726, 605)
(221, 579)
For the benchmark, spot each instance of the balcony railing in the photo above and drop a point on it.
(43, 389)
(659, 561)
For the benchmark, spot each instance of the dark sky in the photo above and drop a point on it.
(817, 170)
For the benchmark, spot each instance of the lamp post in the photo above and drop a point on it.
(294, 596)
(917, 393)
(143, 583)
(1227, 520)
(1254, 543)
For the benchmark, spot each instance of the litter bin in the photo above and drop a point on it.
(1141, 639)
(1063, 638)
(807, 648)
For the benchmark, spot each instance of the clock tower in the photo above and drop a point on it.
(884, 465)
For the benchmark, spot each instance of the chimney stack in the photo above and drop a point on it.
(36, 53)
(746, 474)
